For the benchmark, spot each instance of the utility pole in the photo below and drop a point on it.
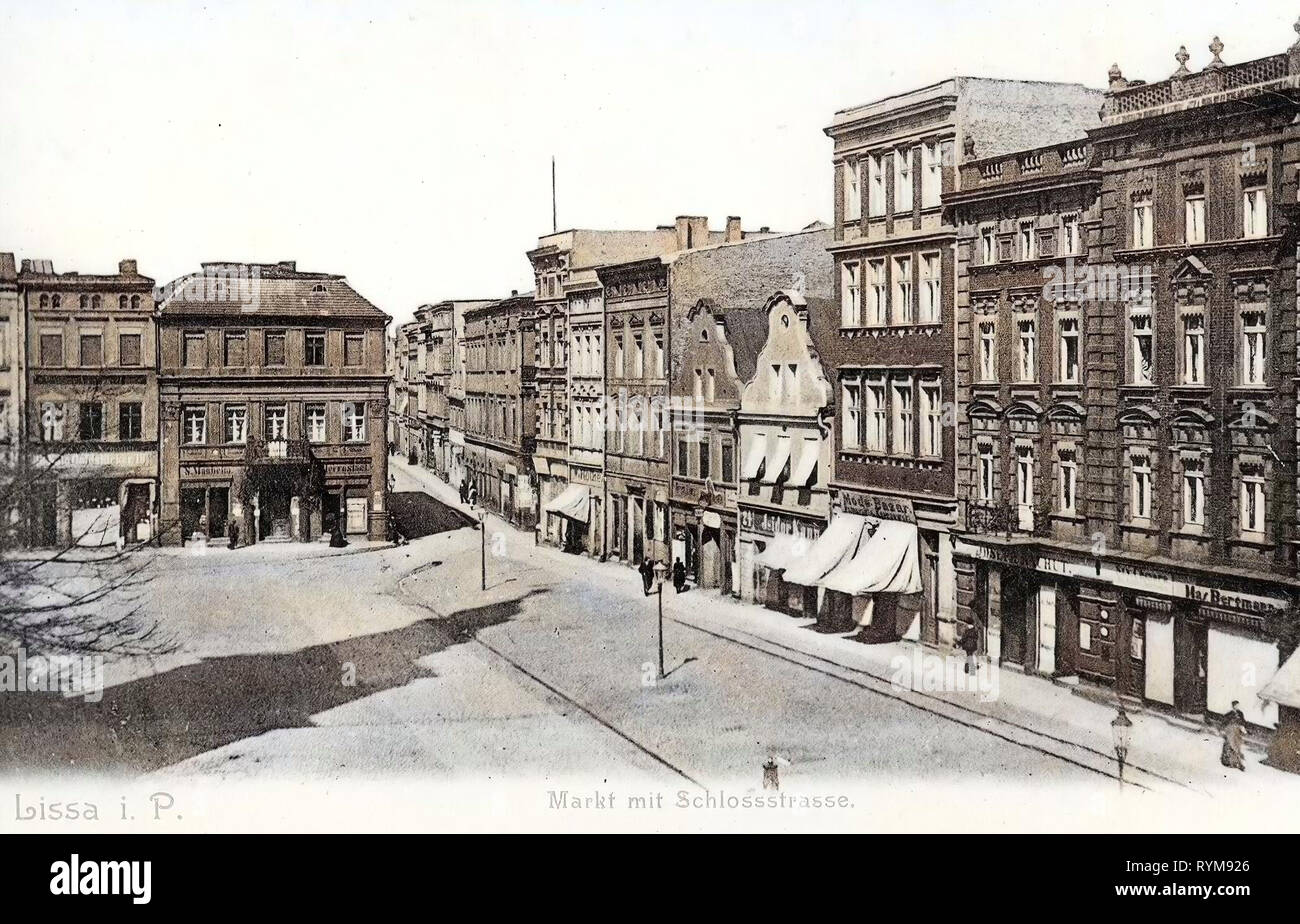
(554, 224)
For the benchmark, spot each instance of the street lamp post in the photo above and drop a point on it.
(1121, 727)
(482, 529)
(661, 571)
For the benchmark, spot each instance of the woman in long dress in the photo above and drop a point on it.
(1234, 738)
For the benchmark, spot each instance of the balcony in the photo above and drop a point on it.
(277, 452)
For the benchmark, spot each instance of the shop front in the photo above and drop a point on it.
(770, 543)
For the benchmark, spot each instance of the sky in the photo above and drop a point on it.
(408, 146)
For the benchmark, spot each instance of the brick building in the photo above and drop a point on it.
(274, 394)
(890, 340)
(91, 405)
(1153, 551)
(500, 406)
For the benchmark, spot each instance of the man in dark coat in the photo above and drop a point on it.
(647, 572)
(970, 643)
(679, 575)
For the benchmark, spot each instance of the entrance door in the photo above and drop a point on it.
(273, 504)
(135, 513)
(1015, 609)
(1190, 647)
(331, 503)
(637, 514)
(356, 514)
(194, 504)
(218, 511)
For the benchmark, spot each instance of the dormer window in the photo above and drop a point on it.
(318, 289)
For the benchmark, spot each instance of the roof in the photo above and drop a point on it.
(746, 333)
(8, 269)
(1284, 687)
(265, 289)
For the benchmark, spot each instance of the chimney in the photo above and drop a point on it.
(127, 268)
(692, 231)
(288, 265)
(765, 230)
(27, 266)
(734, 233)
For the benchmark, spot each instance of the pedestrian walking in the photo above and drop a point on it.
(1234, 738)
(647, 571)
(679, 575)
(234, 534)
(970, 643)
(463, 491)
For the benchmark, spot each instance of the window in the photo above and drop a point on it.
(194, 352)
(903, 424)
(1070, 241)
(277, 422)
(710, 385)
(1254, 212)
(1142, 363)
(878, 302)
(128, 349)
(659, 359)
(274, 342)
(684, 457)
(986, 469)
(1067, 479)
(45, 301)
(1068, 358)
(236, 423)
(1254, 346)
(932, 174)
(1140, 486)
(851, 420)
(83, 302)
(1194, 348)
(728, 462)
(851, 300)
(354, 349)
(699, 385)
(314, 349)
(194, 429)
(92, 350)
(1026, 239)
(988, 355)
(903, 180)
(1025, 487)
(51, 349)
(1194, 219)
(876, 189)
(930, 289)
(706, 466)
(638, 356)
(1193, 493)
(903, 301)
(135, 303)
(931, 420)
(877, 422)
(1143, 224)
(1252, 499)
(53, 416)
(96, 302)
(988, 247)
(90, 421)
(618, 355)
(236, 348)
(852, 191)
(121, 302)
(354, 422)
(1027, 365)
(56, 301)
(130, 421)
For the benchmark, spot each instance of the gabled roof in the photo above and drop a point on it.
(265, 289)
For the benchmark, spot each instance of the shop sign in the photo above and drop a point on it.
(878, 506)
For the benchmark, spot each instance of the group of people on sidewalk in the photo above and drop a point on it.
(647, 571)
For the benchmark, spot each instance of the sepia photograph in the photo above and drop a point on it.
(439, 417)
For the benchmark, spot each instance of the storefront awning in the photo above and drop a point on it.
(574, 502)
(711, 520)
(776, 464)
(755, 451)
(782, 551)
(887, 563)
(1284, 687)
(839, 543)
(802, 469)
(541, 465)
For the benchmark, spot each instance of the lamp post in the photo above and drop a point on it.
(482, 529)
(1121, 727)
(661, 571)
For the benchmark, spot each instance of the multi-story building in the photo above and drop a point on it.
(410, 390)
(394, 373)
(92, 408)
(890, 341)
(570, 374)
(784, 427)
(274, 393)
(1173, 579)
(457, 473)
(12, 375)
(718, 302)
(500, 413)
(437, 379)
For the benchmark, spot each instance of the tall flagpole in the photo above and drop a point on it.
(554, 225)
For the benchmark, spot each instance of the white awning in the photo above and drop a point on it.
(711, 519)
(541, 465)
(782, 551)
(887, 563)
(802, 470)
(776, 464)
(1284, 687)
(573, 502)
(755, 450)
(839, 543)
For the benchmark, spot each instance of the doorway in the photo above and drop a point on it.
(1016, 592)
(1191, 645)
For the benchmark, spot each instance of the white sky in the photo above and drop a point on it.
(408, 145)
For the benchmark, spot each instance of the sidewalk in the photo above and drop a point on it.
(1028, 709)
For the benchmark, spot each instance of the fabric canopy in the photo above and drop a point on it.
(541, 465)
(887, 563)
(1284, 688)
(711, 520)
(755, 450)
(781, 552)
(776, 464)
(802, 470)
(573, 502)
(838, 543)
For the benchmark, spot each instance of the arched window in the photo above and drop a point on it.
(58, 301)
(85, 301)
(318, 288)
(135, 302)
(45, 301)
(94, 302)
(121, 302)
